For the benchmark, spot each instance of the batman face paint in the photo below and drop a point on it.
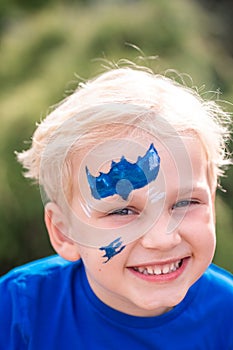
(122, 190)
(124, 176)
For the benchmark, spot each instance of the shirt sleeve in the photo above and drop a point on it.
(13, 311)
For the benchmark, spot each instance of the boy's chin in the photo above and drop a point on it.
(157, 305)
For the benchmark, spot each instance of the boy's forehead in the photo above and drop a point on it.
(100, 157)
(132, 143)
(173, 151)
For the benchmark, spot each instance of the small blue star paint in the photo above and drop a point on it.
(124, 177)
(112, 249)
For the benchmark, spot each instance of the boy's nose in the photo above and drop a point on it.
(163, 235)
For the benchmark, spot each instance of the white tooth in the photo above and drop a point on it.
(157, 271)
(141, 269)
(171, 267)
(165, 269)
(177, 263)
(145, 272)
(150, 271)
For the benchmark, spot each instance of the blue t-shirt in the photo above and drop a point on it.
(49, 305)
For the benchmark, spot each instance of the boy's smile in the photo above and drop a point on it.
(154, 271)
(161, 271)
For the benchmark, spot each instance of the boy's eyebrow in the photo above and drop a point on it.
(192, 189)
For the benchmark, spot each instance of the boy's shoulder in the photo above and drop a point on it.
(216, 273)
(45, 267)
(32, 297)
(219, 282)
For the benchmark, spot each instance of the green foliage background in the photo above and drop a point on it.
(46, 45)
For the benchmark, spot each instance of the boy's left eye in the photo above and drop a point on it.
(184, 203)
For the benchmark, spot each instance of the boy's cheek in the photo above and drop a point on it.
(201, 215)
(198, 228)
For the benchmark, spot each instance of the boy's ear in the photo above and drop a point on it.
(57, 227)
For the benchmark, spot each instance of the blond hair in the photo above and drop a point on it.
(128, 96)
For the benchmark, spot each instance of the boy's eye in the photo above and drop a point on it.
(184, 203)
(122, 212)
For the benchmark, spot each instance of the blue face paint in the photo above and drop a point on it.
(112, 249)
(124, 177)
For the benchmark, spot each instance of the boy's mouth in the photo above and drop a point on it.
(159, 269)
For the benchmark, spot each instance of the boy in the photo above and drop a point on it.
(128, 167)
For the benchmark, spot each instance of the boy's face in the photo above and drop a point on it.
(147, 268)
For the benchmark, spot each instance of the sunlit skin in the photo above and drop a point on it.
(182, 237)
